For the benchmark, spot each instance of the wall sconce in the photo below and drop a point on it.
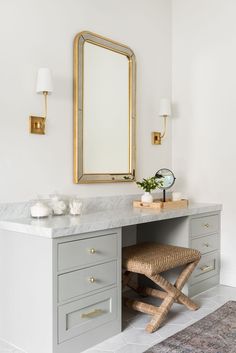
(44, 86)
(165, 111)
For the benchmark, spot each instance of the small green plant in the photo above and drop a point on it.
(149, 184)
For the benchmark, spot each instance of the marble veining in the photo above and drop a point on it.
(15, 210)
(125, 215)
(90, 205)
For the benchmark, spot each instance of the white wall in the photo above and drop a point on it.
(36, 33)
(204, 88)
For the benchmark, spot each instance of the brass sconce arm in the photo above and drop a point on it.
(44, 86)
(158, 136)
(165, 125)
(165, 112)
(45, 93)
(37, 123)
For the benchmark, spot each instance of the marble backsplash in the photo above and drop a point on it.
(15, 210)
(90, 205)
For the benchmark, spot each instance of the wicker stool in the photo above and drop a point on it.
(150, 259)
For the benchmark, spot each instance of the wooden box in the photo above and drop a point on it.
(159, 204)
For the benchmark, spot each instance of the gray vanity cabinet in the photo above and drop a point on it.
(204, 235)
(61, 277)
(87, 281)
(60, 295)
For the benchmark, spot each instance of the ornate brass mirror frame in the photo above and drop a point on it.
(79, 175)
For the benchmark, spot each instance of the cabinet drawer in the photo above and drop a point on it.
(208, 266)
(202, 286)
(86, 252)
(206, 244)
(83, 281)
(204, 225)
(86, 314)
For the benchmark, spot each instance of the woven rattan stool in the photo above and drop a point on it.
(150, 259)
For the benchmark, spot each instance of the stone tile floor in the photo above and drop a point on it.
(134, 339)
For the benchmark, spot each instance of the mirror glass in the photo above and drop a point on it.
(167, 177)
(106, 127)
(104, 110)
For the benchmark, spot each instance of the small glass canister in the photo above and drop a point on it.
(40, 210)
(75, 207)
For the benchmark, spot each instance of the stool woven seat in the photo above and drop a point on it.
(151, 259)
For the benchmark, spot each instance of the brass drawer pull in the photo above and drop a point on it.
(206, 268)
(206, 225)
(91, 314)
(206, 244)
(92, 251)
(92, 279)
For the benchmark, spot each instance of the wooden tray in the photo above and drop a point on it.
(156, 204)
(159, 204)
(175, 204)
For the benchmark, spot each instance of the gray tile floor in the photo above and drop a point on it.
(134, 339)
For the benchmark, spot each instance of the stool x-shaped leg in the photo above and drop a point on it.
(172, 294)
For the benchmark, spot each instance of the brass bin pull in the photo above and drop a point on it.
(91, 314)
(206, 268)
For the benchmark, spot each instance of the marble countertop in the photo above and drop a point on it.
(59, 226)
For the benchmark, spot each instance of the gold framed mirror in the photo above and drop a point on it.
(104, 110)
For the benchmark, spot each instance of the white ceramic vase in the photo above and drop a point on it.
(147, 197)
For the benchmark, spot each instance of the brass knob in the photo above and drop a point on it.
(206, 225)
(91, 279)
(92, 251)
(206, 244)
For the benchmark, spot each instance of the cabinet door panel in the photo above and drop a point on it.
(204, 225)
(85, 252)
(73, 284)
(206, 244)
(86, 314)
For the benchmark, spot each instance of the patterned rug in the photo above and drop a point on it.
(215, 333)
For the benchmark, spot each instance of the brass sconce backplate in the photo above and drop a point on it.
(37, 125)
(156, 138)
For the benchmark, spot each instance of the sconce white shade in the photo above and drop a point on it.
(165, 107)
(44, 80)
